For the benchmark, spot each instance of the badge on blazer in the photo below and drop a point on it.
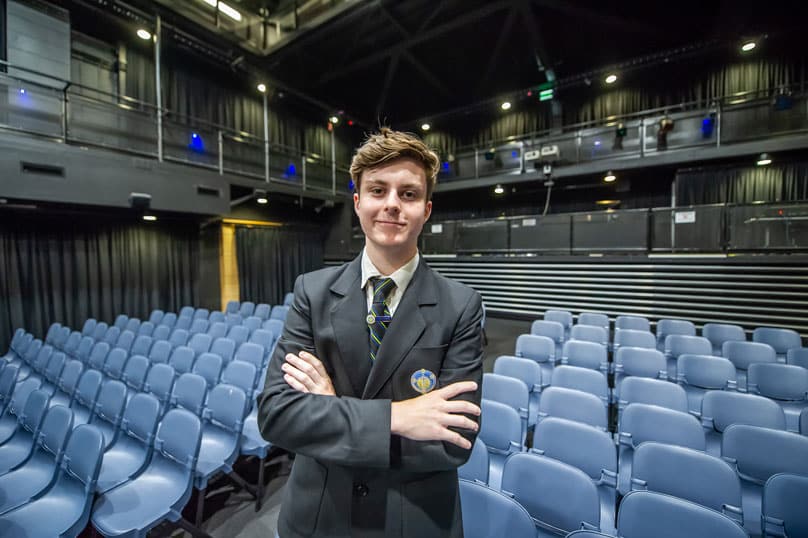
(423, 380)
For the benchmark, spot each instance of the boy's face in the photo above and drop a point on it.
(392, 205)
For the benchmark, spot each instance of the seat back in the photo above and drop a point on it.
(634, 338)
(182, 359)
(528, 371)
(797, 356)
(500, 427)
(590, 333)
(288, 298)
(29, 357)
(53, 330)
(679, 344)
(476, 467)
(100, 330)
(120, 321)
(706, 372)
(161, 333)
(551, 329)
(274, 325)
(69, 379)
(569, 500)
(580, 445)
(85, 347)
(110, 403)
(21, 393)
(88, 327)
(252, 353)
(510, 391)
(742, 354)
(82, 463)
(115, 363)
(160, 382)
(156, 316)
(279, 312)
(594, 318)
(778, 381)
(783, 511)
(169, 320)
(760, 453)
(209, 366)
(23, 344)
(688, 474)
(189, 393)
(55, 367)
(642, 422)
(673, 326)
(247, 308)
(141, 346)
(86, 393)
(224, 348)
(201, 313)
(72, 343)
(98, 356)
(8, 380)
(226, 407)
(232, 307)
(217, 329)
(585, 354)
(537, 348)
(242, 375)
(640, 362)
(140, 417)
(178, 439)
(239, 334)
(55, 429)
(720, 409)
(645, 513)
(199, 326)
(652, 392)
(160, 351)
(179, 337)
(252, 323)
(262, 311)
(34, 411)
(186, 312)
(487, 512)
(780, 339)
(636, 323)
(133, 325)
(562, 316)
(134, 375)
(582, 379)
(232, 320)
(146, 329)
(111, 336)
(42, 358)
(216, 316)
(573, 405)
(184, 323)
(264, 338)
(718, 333)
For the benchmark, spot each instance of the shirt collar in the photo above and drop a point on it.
(400, 276)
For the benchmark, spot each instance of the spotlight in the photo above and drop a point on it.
(150, 218)
(425, 127)
(498, 189)
(506, 105)
(748, 46)
(22, 91)
(144, 34)
(609, 177)
(262, 88)
(611, 79)
(262, 200)
(764, 159)
(334, 120)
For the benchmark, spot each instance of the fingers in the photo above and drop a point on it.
(461, 406)
(459, 421)
(450, 391)
(294, 383)
(303, 366)
(456, 439)
(314, 362)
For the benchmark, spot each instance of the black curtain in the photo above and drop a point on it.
(787, 182)
(269, 260)
(69, 269)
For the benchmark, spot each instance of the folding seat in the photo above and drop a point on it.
(573, 405)
(111, 336)
(262, 311)
(184, 323)
(217, 329)
(758, 454)
(61, 337)
(242, 375)
(698, 374)
(125, 341)
(529, 372)
(784, 383)
(72, 343)
(500, 431)
(594, 318)
(160, 383)
(645, 513)
(224, 348)
(82, 353)
(584, 380)
(680, 344)
(641, 423)
(160, 351)
(238, 334)
(18, 348)
(129, 455)
(182, 360)
(232, 319)
(89, 327)
(797, 356)
(146, 329)
(134, 375)
(247, 308)
(551, 329)
(586, 448)
(783, 511)
(780, 339)
(252, 353)
(689, 474)
(567, 501)
(190, 392)
(274, 325)
(161, 332)
(133, 325)
(538, 348)
(209, 366)
(120, 321)
(652, 392)
(187, 312)
(199, 326)
(100, 331)
(53, 372)
(109, 410)
(10, 355)
(232, 307)
(72, 492)
(29, 357)
(53, 330)
(31, 478)
(252, 323)
(742, 354)
(98, 356)
(487, 513)
(585, 354)
(67, 383)
(179, 337)
(200, 343)
(169, 320)
(8, 382)
(633, 338)
(19, 446)
(265, 339)
(141, 346)
(37, 366)
(14, 408)
(512, 392)
(667, 327)
(590, 333)
(288, 298)
(201, 313)
(718, 333)
(156, 316)
(85, 396)
(561, 316)
(638, 362)
(721, 409)
(476, 467)
(279, 312)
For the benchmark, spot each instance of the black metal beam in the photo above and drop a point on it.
(493, 60)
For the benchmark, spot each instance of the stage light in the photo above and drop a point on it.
(608, 202)
(609, 177)
(748, 46)
(196, 144)
(262, 88)
(144, 34)
(498, 189)
(22, 91)
(425, 127)
(262, 201)
(334, 120)
(764, 159)
(506, 105)
(150, 218)
(611, 79)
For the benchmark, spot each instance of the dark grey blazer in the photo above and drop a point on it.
(351, 477)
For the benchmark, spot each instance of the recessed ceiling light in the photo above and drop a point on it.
(764, 159)
(150, 218)
(505, 106)
(425, 127)
(609, 177)
(334, 120)
(262, 200)
(499, 190)
(262, 88)
(749, 45)
(611, 79)
(144, 34)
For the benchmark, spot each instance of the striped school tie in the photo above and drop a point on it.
(379, 316)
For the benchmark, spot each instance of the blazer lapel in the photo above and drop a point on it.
(350, 328)
(407, 326)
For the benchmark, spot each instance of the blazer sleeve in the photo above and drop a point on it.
(339, 430)
(463, 362)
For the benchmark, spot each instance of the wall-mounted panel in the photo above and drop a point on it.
(697, 229)
(482, 235)
(610, 231)
(551, 233)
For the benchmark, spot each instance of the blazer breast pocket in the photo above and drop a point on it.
(418, 373)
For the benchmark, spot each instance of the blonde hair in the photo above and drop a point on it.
(388, 145)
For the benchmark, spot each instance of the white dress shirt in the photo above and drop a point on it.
(401, 276)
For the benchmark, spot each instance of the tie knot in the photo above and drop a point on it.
(382, 287)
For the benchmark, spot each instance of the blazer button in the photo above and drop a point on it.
(361, 490)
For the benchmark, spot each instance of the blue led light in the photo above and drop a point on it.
(291, 171)
(445, 166)
(515, 154)
(197, 144)
(22, 91)
(597, 142)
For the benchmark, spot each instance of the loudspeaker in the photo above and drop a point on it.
(139, 200)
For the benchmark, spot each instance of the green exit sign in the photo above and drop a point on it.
(546, 95)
